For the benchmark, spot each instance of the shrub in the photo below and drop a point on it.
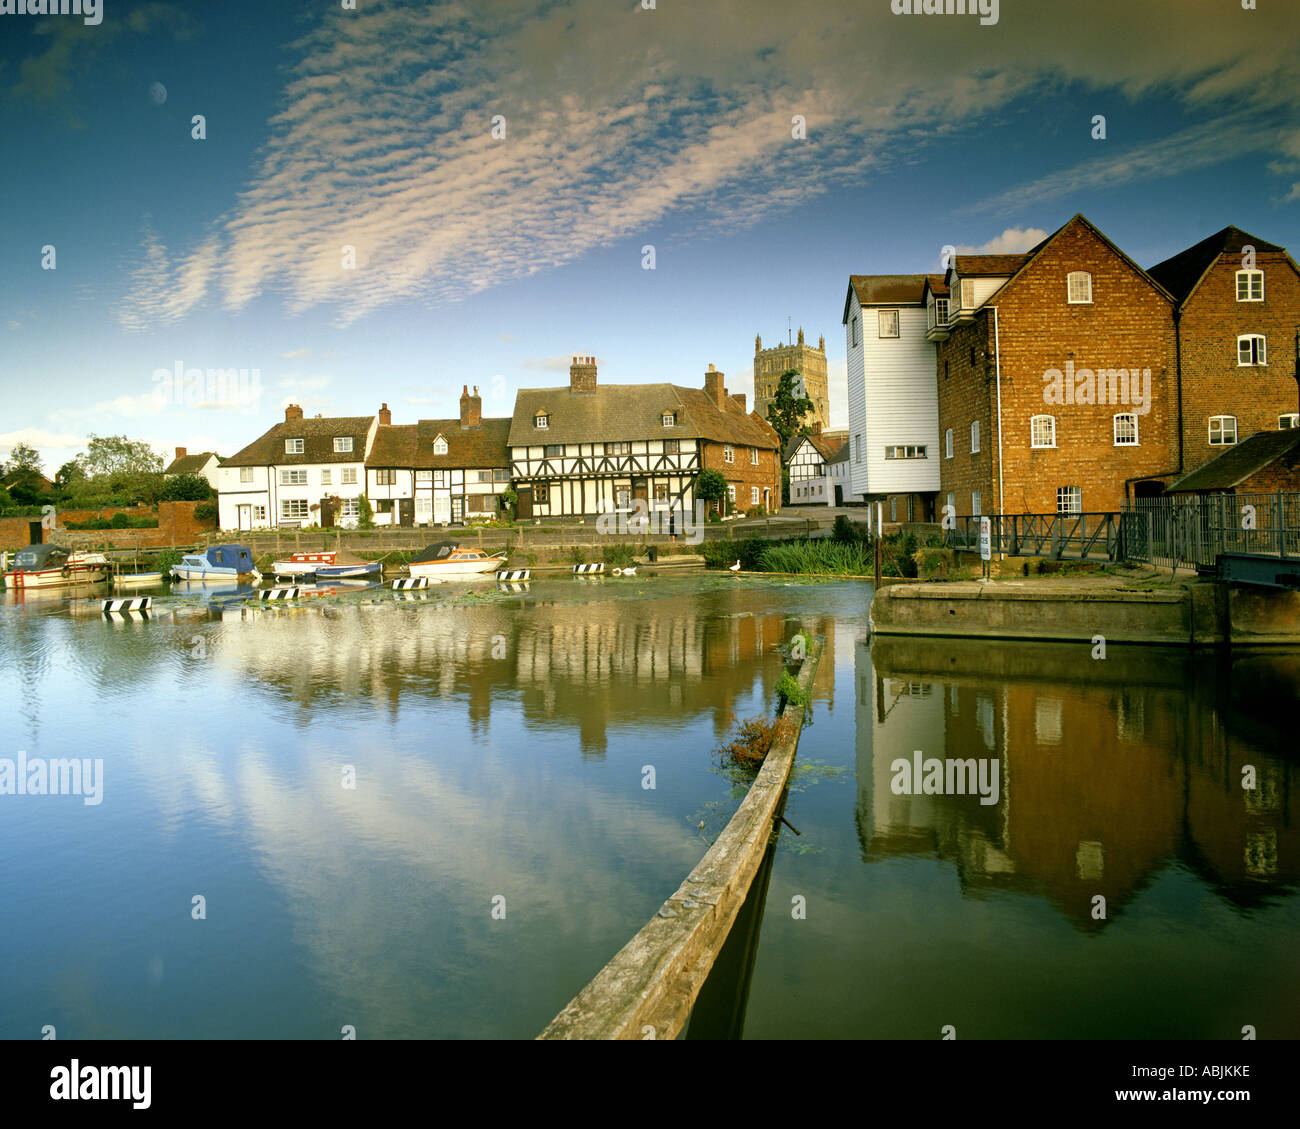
(206, 511)
(748, 743)
(788, 691)
(618, 556)
(365, 515)
(186, 488)
(845, 531)
(118, 521)
(824, 557)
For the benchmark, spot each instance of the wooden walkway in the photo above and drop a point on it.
(648, 989)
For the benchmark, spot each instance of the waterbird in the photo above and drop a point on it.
(734, 568)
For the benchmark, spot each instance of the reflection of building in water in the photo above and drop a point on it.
(1110, 771)
(612, 661)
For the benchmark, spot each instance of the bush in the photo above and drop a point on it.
(749, 743)
(206, 511)
(846, 532)
(118, 521)
(618, 556)
(788, 691)
(186, 488)
(827, 558)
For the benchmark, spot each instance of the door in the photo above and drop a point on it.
(406, 511)
(442, 508)
(524, 503)
(35, 535)
(329, 508)
(244, 518)
(458, 508)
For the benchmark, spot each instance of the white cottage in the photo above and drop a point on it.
(809, 458)
(203, 463)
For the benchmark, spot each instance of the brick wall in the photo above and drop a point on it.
(1281, 474)
(177, 525)
(966, 392)
(1213, 382)
(743, 474)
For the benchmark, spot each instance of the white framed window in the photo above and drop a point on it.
(1251, 349)
(904, 451)
(348, 476)
(350, 509)
(1126, 429)
(941, 311)
(325, 477)
(753, 456)
(259, 513)
(1288, 422)
(440, 478)
(888, 323)
(731, 493)
(424, 476)
(424, 507)
(669, 419)
(947, 444)
(753, 495)
(975, 503)
(1042, 431)
(342, 444)
(293, 446)
(293, 477)
(1223, 431)
(1078, 288)
(1069, 500)
(542, 420)
(1250, 286)
(854, 324)
(245, 474)
(293, 509)
(385, 476)
(440, 446)
(975, 437)
(967, 293)
(728, 453)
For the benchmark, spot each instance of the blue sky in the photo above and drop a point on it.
(491, 261)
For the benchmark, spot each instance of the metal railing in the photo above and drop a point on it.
(1073, 536)
(1194, 531)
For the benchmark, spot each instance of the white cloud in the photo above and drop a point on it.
(295, 354)
(1013, 241)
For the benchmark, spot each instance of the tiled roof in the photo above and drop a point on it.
(938, 285)
(190, 464)
(974, 266)
(1239, 462)
(824, 447)
(841, 455)
(620, 413)
(888, 289)
(1180, 274)
(318, 442)
(411, 445)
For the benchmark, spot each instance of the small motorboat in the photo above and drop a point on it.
(447, 560)
(51, 566)
(329, 564)
(137, 579)
(220, 562)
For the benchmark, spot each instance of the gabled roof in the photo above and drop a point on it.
(190, 464)
(318, 442)
(1181, 273)
(1238, 463)
(937, 285)
(620, 413)
(987, 266)
(884, 290)
(411, 445)
(841, 454)
(823, 447)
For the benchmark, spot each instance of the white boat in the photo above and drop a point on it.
(445, 560)
(137, 579)
(220, 562)
(50, 566)
(329, 564)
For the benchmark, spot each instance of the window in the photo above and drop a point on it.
(385, 476)
(893, 508)
(553, 451)
(731, 493)
(293, 446)
(672, 446)
(967, 293)
(293, 509)
(1069, 500)
(1042, 431)
(440, 446)
(941, 311)
(753, 456)
(975, 437)
(542, 495)
(482, 476)
(1223, 431)
(342, 444)
(728, 453)
(325, 478)
(857, 448)
(1250, 349)
(888, 323)
(947, 444)
(440, 478)
(424, 507)
(975, 503)
(911, 500)
(952, 504)
(424, 476)
(542, 420)
(670, 419)
(900, 451)
(1078, 288)
(349, 477)
(351, 508)
(481, 503)
(1250, 286)
(753, 495)
(293, 478)
(661, 494)
(245, 474)
(855, 329)
(500, 476)
(1288, 422)
(1126, 430)
(618, 448)
(259, 513)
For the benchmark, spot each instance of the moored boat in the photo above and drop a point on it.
(51, 566)
(220, 562)
(137, 579)
(329, 564)
(447, 560)
(304, 564)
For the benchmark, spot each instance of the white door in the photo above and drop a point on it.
(245, 517)
(441, 507)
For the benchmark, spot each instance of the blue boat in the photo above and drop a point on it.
(220, 562)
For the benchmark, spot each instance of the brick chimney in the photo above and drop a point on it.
(739, 397)
(471, 407)
(714, 387)
(385, 416)
(582, 375)
(180, 452)
(292, 411)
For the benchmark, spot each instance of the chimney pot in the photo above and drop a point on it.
(385, 416)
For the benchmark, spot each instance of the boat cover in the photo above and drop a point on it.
(40, 556)
(230, 556)
(438, 551)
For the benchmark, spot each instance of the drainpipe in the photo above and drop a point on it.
(997, 367)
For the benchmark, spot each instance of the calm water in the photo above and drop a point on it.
(499, 745)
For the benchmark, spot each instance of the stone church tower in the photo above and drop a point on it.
(810, 363)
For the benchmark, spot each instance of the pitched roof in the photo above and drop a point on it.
(976, 266)
(885, 290)
(411, 445)
(318, 442)
(623, 412)
(938, 285)
(190, 464)
(824, 447)
(1180, 273)
(1239, 462)
(841, 454)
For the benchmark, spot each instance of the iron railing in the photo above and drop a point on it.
(1076, 536)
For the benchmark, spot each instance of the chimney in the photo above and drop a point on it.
(582, 375)
(292, 411)
(471, 407)
(714, 387)
(739, 397)
(180, 452)
(385, 416)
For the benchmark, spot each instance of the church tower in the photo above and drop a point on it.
(810, 363)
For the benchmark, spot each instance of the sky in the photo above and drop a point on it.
(502, 168)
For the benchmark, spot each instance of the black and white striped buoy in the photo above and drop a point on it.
(512, 574)
(129, 604)
(403, 583)
(588, 569)
(290, 593)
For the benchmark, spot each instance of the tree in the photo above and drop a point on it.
(788, 407)
(710, 485)
(23, 457)
(365, 515)
(186, 488)
(70, 474)
(116, 454)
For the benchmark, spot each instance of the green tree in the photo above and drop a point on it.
(71, 474)
(788, 407)
(22, 457)
(116, 454)
(186, 488)
(710, 486)
(365, 515)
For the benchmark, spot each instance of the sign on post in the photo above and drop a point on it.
(986, 539)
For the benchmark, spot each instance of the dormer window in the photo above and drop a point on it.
(342, 444)
(967, 293)
(1250, 286)
(941, 311)
(670, 419)
(542, 420)
(293, 446)
(440, 446)
(1078, 285)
